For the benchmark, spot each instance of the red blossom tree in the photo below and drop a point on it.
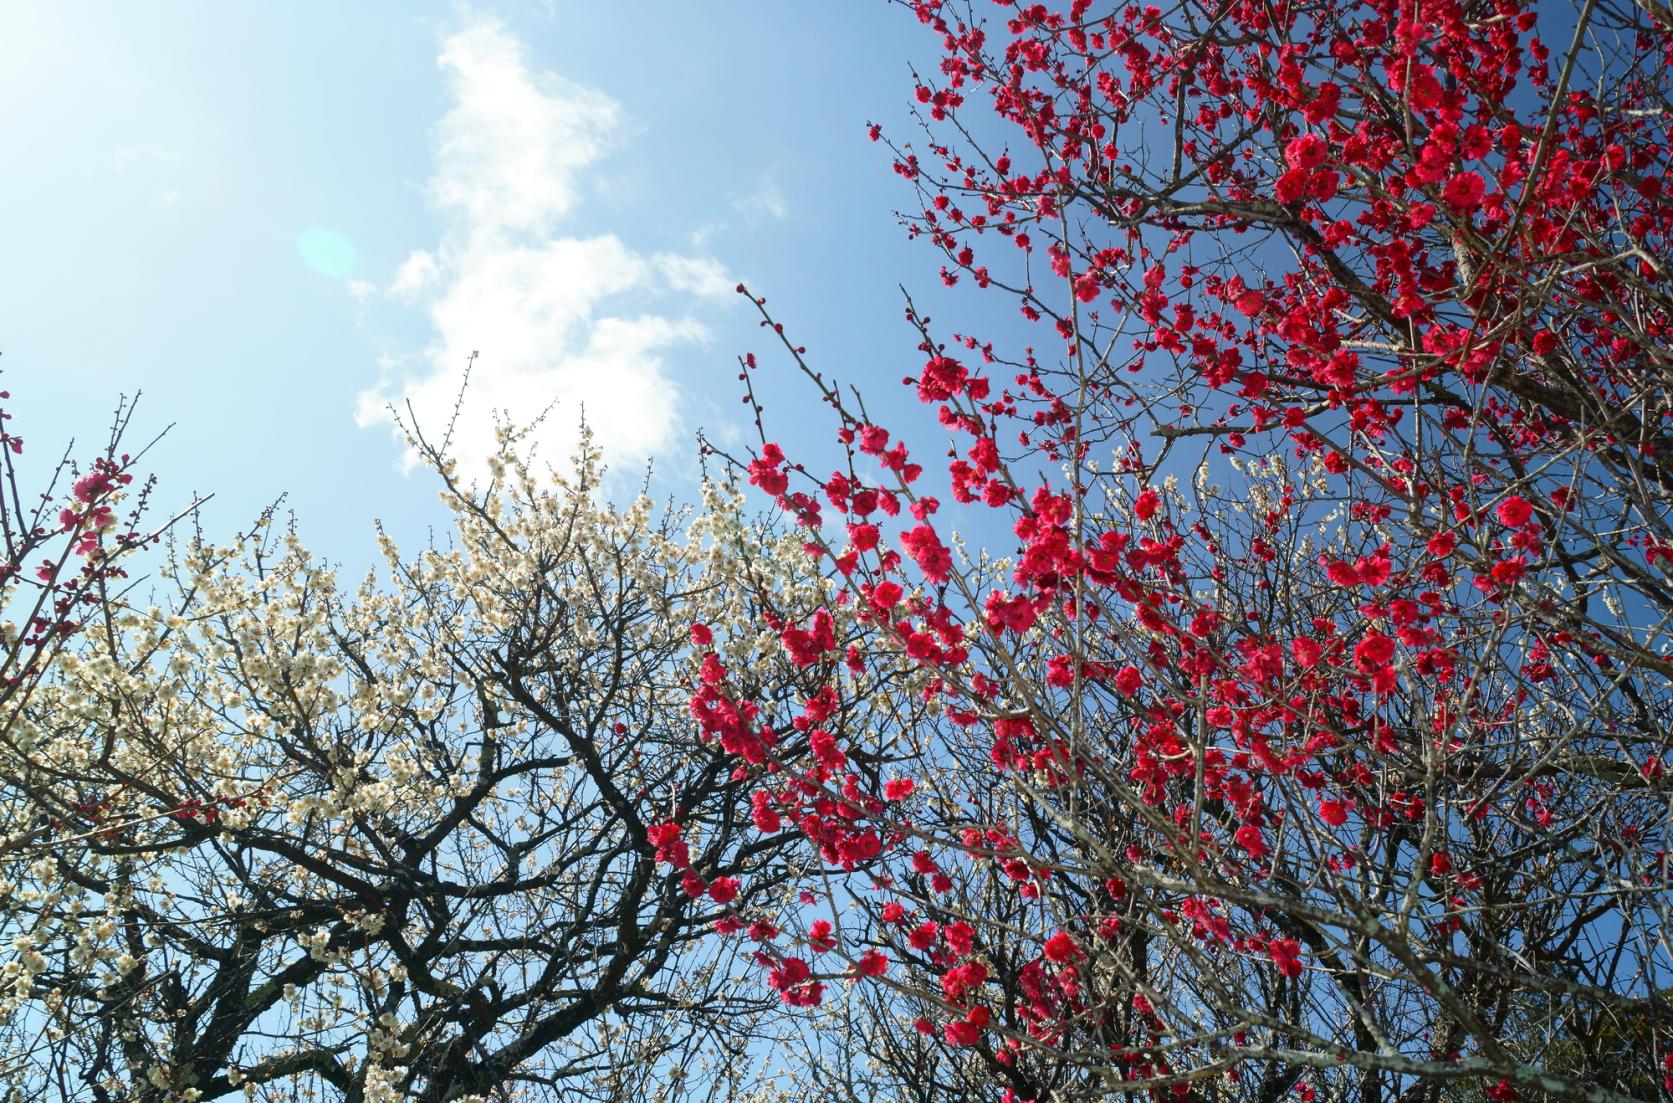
(66, 539)
(1308, 738)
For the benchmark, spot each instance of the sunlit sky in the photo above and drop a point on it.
(276, 221)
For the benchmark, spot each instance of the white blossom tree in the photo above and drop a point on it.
(299, 842)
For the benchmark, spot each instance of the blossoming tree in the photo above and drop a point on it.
(1308, 737)
(64, 553)
(405, 842)
(1303, 736)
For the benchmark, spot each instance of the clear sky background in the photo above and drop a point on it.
(274, 220)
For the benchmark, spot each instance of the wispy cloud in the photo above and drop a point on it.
(696, 275)
(152, 166)
(766, 201)
(561, 320)
(144, 153)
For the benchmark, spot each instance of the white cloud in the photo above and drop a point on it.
(417, 274)
(558, 321)
(765, 201)
(155, 171)
(696, 275)
(509, 149)
(144, 153)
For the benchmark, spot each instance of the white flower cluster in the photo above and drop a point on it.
(228, 784)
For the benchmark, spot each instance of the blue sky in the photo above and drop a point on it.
(275, 220)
